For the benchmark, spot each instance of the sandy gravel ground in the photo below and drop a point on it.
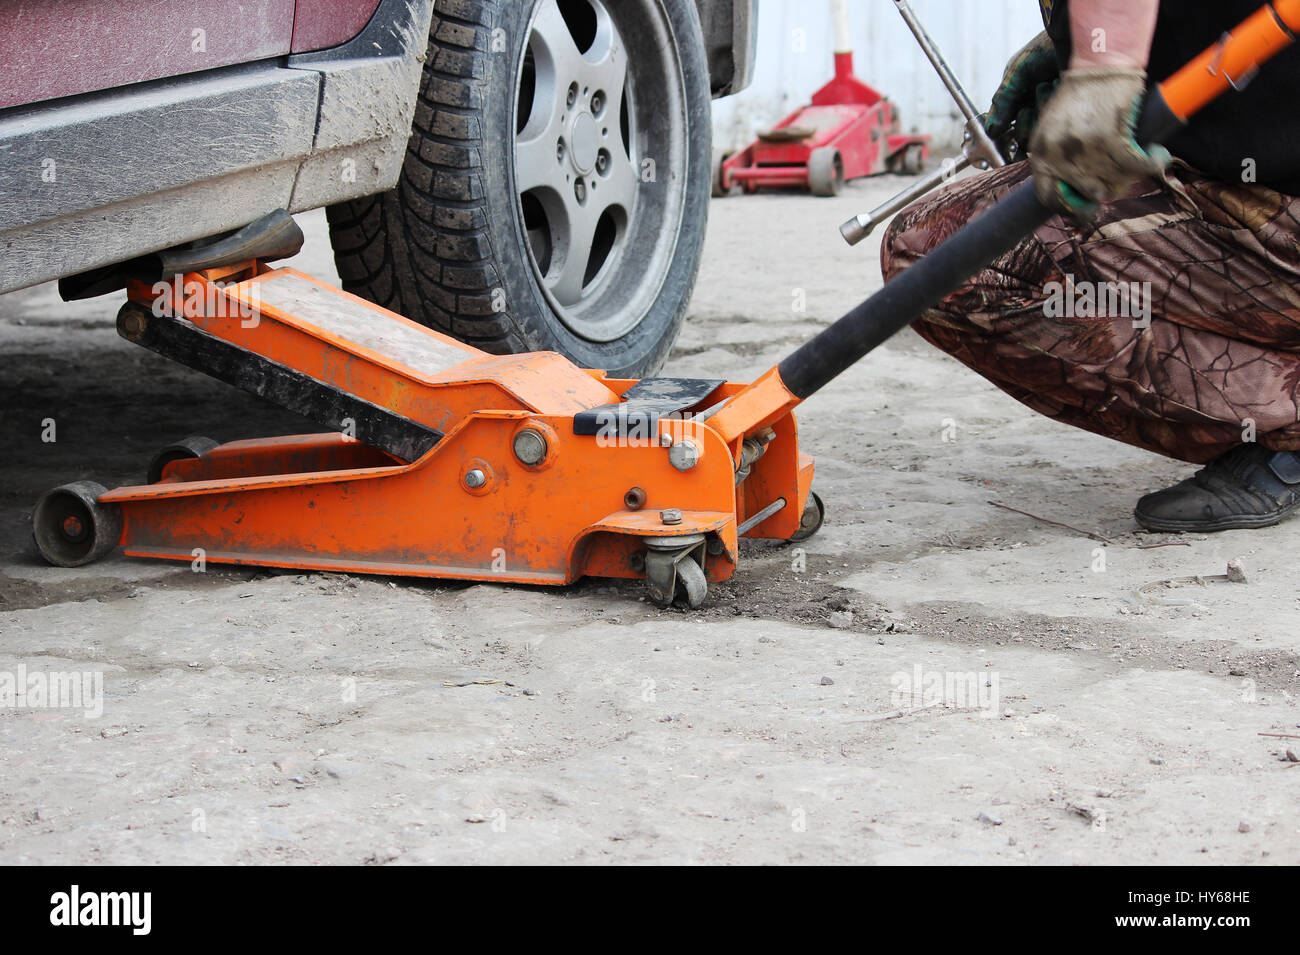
(930, 680)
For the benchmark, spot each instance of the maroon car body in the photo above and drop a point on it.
(48, 54)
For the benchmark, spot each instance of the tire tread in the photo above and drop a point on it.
(377, 239)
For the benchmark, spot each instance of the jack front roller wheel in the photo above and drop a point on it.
(826, 171)
(721, 182)
(72, 527)
(814, 513)
(191, 447)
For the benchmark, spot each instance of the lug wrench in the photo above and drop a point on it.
(978, 149)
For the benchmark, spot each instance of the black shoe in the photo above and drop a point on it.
(1250, 486)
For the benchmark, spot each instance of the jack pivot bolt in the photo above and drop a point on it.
(684, 455)
(530, 447)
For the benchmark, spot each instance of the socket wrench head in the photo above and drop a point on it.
(858, 228)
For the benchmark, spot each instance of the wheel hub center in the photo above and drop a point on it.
(585, 140)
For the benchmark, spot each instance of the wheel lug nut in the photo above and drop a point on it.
(597, 102)
(559, 150)
(602, 162)
(573, 93)
(580, 190)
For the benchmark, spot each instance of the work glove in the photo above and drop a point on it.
(1027, 83)
(1084, 150)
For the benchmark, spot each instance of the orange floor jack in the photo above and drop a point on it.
(446, 461)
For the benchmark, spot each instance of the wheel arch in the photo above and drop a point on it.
(730, 37)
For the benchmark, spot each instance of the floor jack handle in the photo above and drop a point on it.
(1230, 64)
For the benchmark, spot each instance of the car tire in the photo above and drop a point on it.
(483, 237)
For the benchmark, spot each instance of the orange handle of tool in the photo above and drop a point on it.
(1234, 61)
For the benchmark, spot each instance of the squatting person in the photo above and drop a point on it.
(1210, 371)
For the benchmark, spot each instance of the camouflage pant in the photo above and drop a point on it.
(1218, 273)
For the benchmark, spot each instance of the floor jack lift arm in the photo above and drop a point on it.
(450, 462)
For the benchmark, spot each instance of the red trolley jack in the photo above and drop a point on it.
(849, 130)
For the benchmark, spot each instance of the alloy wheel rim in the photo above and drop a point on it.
(584, 202)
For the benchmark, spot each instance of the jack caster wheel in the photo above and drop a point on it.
(825, 171)
(674, 570)
(692, 587)
(913, 160)
(72, 527)
(814, 513)
(192, 447)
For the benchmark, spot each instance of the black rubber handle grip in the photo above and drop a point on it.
(908, 295)
(932, 279)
